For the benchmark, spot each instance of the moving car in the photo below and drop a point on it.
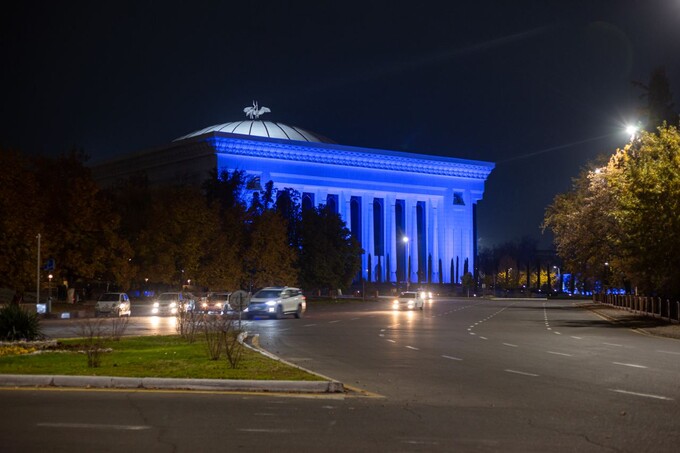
(171, 303)
(409, 300)
(214, 303)
(117, 304)
(276, 302)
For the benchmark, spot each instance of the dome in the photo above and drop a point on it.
(258, 128)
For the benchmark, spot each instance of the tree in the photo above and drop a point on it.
(21, 208)
(621, 222)
(660, 108)
(269, 259)
(329, 255)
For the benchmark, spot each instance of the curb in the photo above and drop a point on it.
(225, 385)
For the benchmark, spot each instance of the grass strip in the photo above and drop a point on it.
(165, 356)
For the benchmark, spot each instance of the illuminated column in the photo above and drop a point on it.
(434, 243)
(369, 238)
(391, 238)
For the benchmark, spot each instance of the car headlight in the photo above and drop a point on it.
(218, 305)
(204, 305)
(423, 294)
(271, 303)
(155, 305)
(173, 305)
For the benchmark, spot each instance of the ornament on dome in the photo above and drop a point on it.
(254, 112)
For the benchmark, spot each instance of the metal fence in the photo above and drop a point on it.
(656, 307)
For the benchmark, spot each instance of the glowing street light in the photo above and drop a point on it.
(632, 130)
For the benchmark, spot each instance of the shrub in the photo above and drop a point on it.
(19, 324)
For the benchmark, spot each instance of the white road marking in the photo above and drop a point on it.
(451, 358)
(483, 338)
(557, 333)
(559, 353)
(510, 345)
(613, 344)
(381, 335)
(263, 430)
(391, 341)
(411, 347)
(577, 338)
(633, 365)
(333, 322)
(472, 333)
(94, 426)
(646, 395)
(309, 325)
(669, 352)
(522, 373)
(549, 328)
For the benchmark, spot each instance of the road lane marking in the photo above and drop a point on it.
(559, 353)
(613, 344)
(577, 338)
(472, 333)
(646, 395)
(632, 365)
(411, 347)
(391, 341)
(483, 338)
(669, 352)
(451, 358)
(263, 430)
(94, 426)
(333, 322)
(522, 373)
(557, 333)
(381, 335)
(510, 345)
(309, 325)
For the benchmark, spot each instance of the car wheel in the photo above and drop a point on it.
(279, 312)
(298, 312)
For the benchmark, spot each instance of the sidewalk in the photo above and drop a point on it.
(645, 324)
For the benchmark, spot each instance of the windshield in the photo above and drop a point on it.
(168, 296)
(408, 295)
(267, 294)
(109, 297)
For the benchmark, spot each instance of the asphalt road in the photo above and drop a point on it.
(462, 375)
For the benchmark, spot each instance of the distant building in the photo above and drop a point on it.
(383, 196)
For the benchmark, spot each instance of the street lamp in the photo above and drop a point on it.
(49, 292)
(559, 278)
(408, 261)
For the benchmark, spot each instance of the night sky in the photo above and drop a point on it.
(538, 87)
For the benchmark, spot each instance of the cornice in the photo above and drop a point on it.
(354, 157)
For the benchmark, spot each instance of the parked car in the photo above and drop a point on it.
(276, 302)
(409, 300)
(117, 304)
(172, 303)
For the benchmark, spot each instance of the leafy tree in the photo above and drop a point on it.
(21, 208)
(80, 225)
(329, 255)
(659, 108)
(622, 222)
(269, 259)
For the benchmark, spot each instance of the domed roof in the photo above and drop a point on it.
(259, 128)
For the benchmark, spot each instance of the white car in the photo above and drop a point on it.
(117, 304)
(275, 302)
(172, 303)
(409, 300)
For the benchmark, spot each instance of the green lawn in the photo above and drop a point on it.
(156, 356)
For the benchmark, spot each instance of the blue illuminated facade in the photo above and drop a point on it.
(383, 196)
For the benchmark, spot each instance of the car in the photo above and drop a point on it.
(214, 303)
(409, 300)
(117, 304)
(276, 302)
(173, 302)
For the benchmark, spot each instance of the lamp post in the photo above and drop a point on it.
(49, 292)
(559, 278)
(408, 261)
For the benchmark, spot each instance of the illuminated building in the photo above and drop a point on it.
(383, 196)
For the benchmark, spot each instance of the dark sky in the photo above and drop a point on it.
(539, 87)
